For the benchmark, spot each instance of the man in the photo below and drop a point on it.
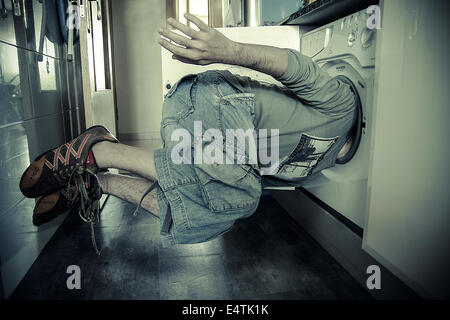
(201, 194)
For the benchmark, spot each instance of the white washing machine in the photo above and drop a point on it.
(346, 49)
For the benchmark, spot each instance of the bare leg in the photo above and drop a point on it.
(121, 156)
(129, 189)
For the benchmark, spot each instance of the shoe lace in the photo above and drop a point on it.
(83, 184)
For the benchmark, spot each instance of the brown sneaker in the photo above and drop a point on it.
(74, 197)
(49, 207)
(82, 195)
(54, 169)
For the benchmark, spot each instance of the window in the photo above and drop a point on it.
(198, 8)
(209, 11)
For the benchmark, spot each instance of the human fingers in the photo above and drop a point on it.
(180, 51)
(199, 23)
(183, 28)
(179, 39)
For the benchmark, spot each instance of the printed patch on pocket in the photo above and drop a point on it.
(309, 151)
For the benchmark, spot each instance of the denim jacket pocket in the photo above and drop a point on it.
(176, 109)
(175, 86)
(236, 122)
(238, 110)
(229, 188)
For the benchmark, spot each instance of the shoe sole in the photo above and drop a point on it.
(32, 174)
(42, 212)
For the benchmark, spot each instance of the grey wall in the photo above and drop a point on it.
(137, 66)
(37, 112)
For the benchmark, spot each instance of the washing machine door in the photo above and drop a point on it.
(344, 186)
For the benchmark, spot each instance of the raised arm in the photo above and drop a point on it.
(208, 46)
(297, 72)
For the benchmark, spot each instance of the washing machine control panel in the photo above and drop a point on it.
(315, 42)
(347, 36)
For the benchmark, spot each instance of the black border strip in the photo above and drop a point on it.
(349, 224)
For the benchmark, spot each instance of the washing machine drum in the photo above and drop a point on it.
(347, 72)
(356, 130)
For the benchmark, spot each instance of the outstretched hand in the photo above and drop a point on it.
(201, 47)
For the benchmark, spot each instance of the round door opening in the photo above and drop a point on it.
(355, 133)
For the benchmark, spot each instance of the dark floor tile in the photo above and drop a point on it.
(194, 277)
(127, 267)
(267, 256)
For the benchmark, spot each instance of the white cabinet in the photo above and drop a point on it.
(408, 221)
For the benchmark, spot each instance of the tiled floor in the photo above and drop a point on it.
(267, 256)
